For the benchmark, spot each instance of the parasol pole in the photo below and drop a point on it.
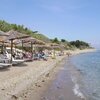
(11, 49)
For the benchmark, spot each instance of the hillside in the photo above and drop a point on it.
(5, 27)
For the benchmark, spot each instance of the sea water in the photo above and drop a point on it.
(87, 82)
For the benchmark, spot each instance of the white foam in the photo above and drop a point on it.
(78, 92)
(76, 89)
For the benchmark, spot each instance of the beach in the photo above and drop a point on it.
(31, 80)
(16, 80)
(57, 86)
(49, 50)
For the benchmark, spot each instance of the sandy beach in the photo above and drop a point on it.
(16, 80)
(57, 86)
(31, 80)
(77, 51)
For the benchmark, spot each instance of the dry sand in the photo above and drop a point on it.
(15, 81)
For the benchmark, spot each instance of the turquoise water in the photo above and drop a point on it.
(89, 67)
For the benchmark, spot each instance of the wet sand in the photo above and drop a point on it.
(55, 86)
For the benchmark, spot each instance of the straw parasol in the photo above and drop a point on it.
(28, 42)
(3, 37)
(53, 45)
(3, 33)
(33, 40)
(15, 35)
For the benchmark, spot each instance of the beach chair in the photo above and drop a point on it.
(17, 61)
(4, 65)
(14, 61)
(4, 62)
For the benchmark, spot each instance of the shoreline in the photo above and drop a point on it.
(49, 87)
(17, 82)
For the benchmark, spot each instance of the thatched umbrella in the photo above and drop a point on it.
(15, 35)
(33, 40)
(3, 33)
(28, 42)
(3, 37)
(3, 40)
(54, 46)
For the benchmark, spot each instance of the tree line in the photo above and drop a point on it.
(5, 26)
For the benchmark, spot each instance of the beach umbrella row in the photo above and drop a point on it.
(13, 37)
(17, 38)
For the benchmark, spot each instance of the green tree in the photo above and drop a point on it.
(63, 40)
(55, 40)
(80, 44)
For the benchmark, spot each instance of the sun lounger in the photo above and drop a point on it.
(4, 65)
(14, 60)
(4, 62)
(17, 61)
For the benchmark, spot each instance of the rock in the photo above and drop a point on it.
(2, 89)
(39, 85)
(43, 81)
(47, 75)
(35, 84)
(14, 96)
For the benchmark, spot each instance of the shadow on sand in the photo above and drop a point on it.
(4, 69)
(20, 65)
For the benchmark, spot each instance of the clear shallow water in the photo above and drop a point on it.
(84, 70)
(89, 67)
(61, 88)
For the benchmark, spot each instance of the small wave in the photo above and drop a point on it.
(78, 92)
(76, 89)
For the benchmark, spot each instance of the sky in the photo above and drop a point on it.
(64, 19)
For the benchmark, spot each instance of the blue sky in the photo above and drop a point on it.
(68, 19)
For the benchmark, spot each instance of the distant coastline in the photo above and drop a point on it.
(78, 51)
